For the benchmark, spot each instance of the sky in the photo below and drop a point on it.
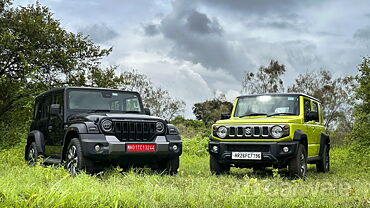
(196, 49)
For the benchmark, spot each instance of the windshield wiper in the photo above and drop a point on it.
(131, 112)
(99, 111)
(253, 114)
(278, 114)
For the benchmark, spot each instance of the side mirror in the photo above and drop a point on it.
(313, 116)
(54, 109)
(225, 116)
(147, 111)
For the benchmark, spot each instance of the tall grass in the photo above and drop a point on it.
(347, 185)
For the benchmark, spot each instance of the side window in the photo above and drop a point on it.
(307, 108)
(46, 107)
(37, 111)
(58, 99)
(315, 107)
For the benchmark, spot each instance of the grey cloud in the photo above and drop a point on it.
(100, 33)
(362, 34)
(198, 38)
(151, 29)
(265, 7)
(200, 23)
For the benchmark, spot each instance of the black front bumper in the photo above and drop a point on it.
(272, 152)
(114, 150)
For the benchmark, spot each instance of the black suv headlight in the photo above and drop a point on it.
(159, 126)
(107, 125)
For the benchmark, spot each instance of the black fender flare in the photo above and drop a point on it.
(301, 137)
(324, 140)
(173, 134)
(79, 128)
(39, 139)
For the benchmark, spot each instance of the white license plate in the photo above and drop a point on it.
(246, 155)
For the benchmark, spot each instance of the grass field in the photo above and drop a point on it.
(347, 185)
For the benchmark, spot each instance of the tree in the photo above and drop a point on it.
(265, 80)
(210, 110)
(334, 93)
(36, 53)
(360, 132)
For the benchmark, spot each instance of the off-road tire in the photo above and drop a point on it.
(297, 166)
(169, 166)
(32, 155)
(75, 160)
(323, 165)
(218, 168)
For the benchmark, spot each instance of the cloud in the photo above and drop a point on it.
(362, 34)
(99, 33)
(151, 29)
(198, 38)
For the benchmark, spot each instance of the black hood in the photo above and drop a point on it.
(94, 117)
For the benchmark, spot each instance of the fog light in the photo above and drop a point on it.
(174, 147)
(285, 149)
(215, 149)
(98, 148)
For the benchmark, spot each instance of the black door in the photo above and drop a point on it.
(56, 128)
(44, 120)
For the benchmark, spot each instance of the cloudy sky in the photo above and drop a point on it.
(196, 48)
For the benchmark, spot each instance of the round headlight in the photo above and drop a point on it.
(107, 125)
(159, 127)
(277, 131)
(221, 132)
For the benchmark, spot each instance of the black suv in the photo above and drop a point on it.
(90, 128)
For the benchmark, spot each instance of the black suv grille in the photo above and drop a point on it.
(249, 148)
(134, 130)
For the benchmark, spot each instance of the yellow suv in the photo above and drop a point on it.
(279, 130)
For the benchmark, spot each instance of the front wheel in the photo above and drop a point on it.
(75, 161)
(218, 168)
(169, 166)
(297, 166)
(323, 165)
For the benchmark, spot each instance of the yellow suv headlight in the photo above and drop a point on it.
(277, 132)
(221, 132)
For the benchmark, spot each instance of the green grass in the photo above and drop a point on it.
(347, 185)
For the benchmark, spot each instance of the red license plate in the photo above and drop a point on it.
(140, 147)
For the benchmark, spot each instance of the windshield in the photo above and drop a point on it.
(103, 100)
(267, 105)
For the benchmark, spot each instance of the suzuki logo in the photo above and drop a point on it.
(248, 131)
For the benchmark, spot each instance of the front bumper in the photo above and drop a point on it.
(272, 152)
(115, 150)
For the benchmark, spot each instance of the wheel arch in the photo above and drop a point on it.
(39, 139)
(301, 137)
(324, 140)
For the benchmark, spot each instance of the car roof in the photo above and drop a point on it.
(59, 89)
(285, 94)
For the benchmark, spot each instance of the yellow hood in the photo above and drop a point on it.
(260, 120)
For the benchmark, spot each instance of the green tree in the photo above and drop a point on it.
(336, 95)
(210, 110)
(265, 80)
(361, 133)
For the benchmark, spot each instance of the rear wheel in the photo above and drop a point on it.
(323, 165)
(32, 154)
(218, 168)
(297, 166)
(75, 161)
(169, 166)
